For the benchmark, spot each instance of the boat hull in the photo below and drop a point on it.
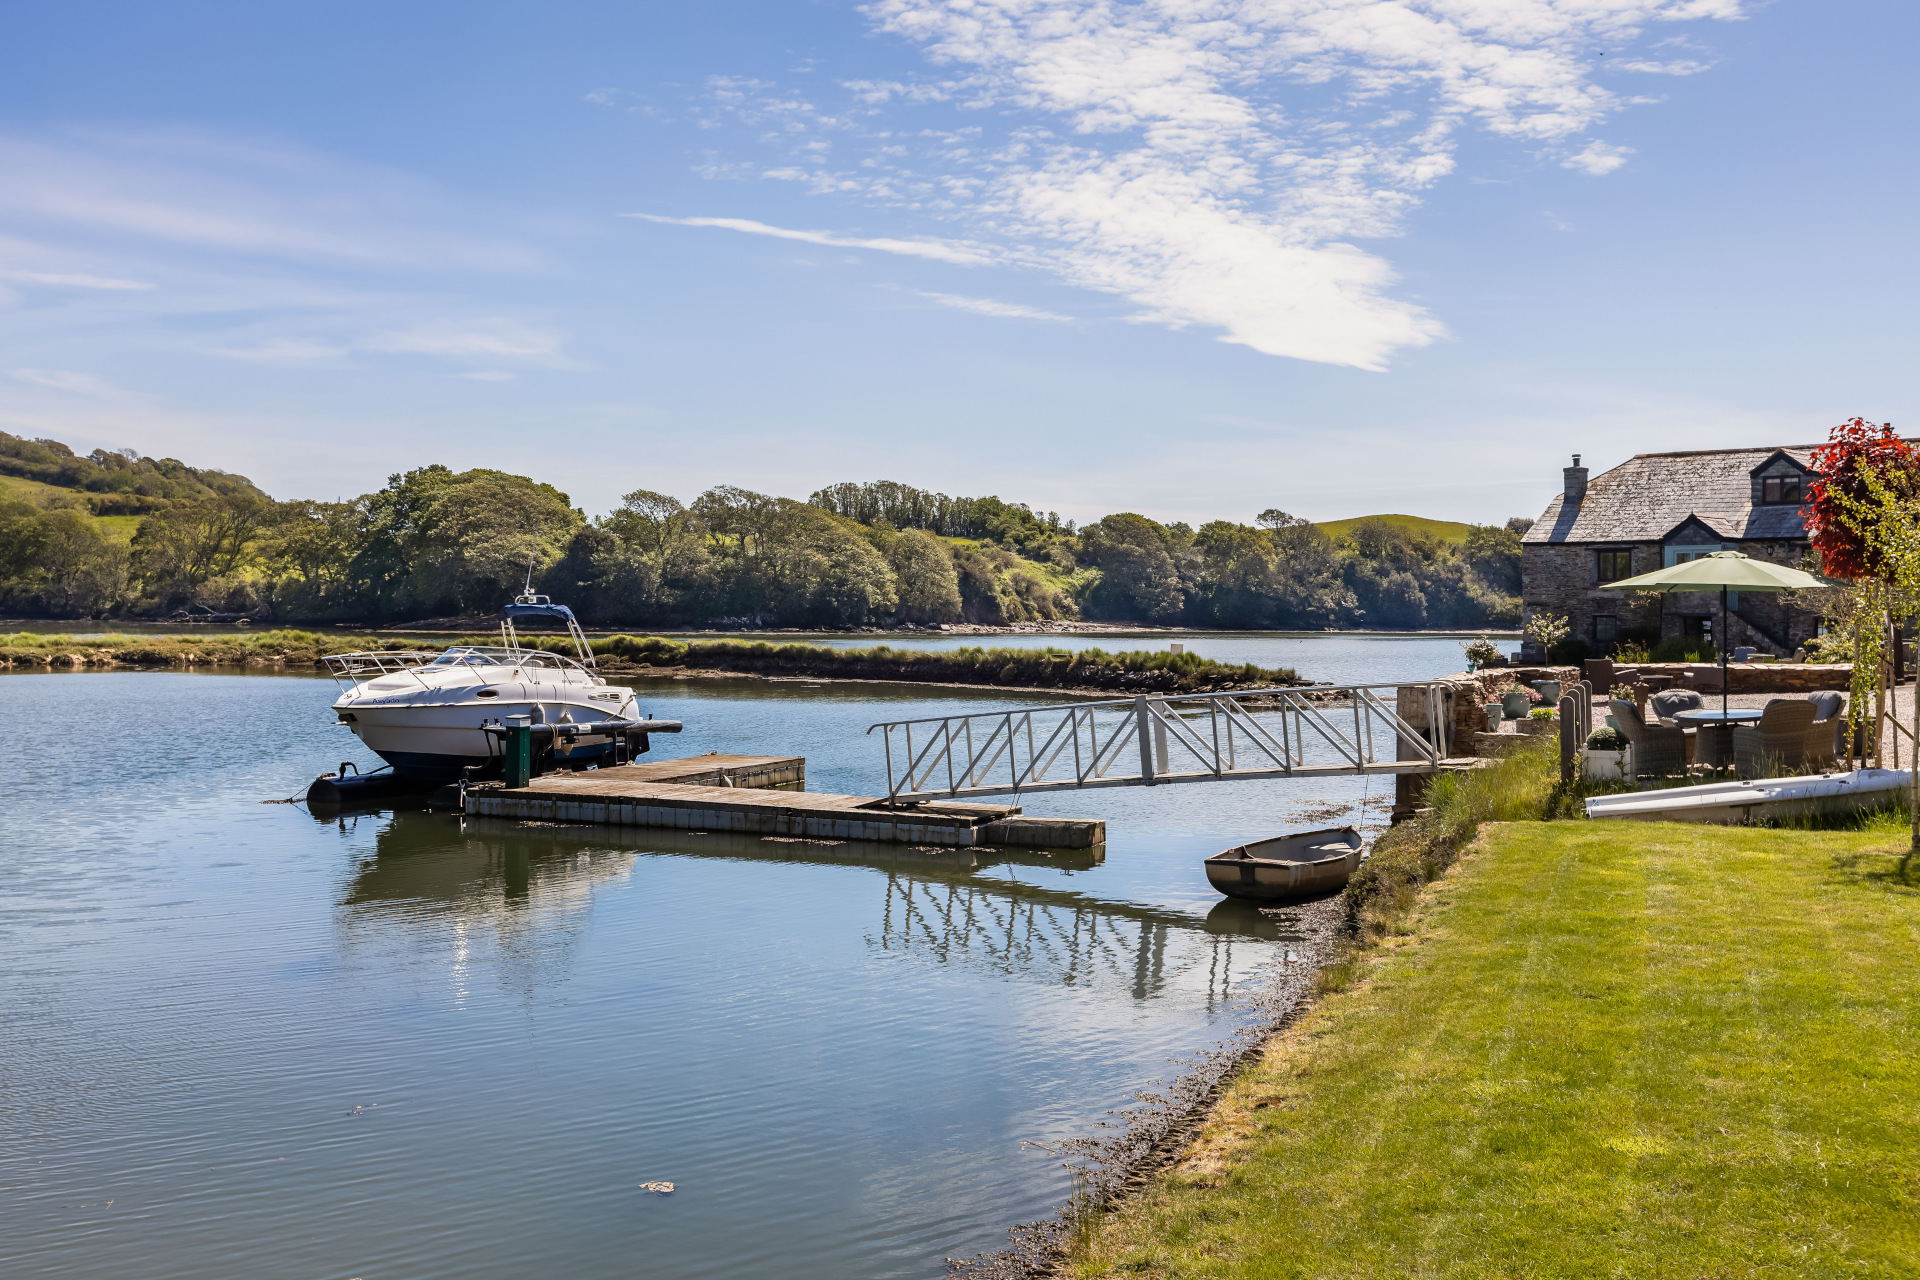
(1267, 880)
(1307, 865)
(1760, 800)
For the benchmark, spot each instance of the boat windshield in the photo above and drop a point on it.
(496, 656)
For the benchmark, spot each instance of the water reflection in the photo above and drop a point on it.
(530, 886)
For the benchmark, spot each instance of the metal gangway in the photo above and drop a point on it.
(1151, 740)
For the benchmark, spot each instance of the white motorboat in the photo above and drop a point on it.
(1759, 800)
(429, 715)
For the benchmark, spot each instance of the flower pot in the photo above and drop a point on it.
(1493, 717)
(1604, 766)
(1549, 690)
(1613, 723)
(1515, 704)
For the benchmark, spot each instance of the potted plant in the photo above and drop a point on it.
(1539, 721)
(1480, 653)
(1606, 755)
(1515, 702)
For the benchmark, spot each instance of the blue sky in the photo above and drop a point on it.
(1193, 258)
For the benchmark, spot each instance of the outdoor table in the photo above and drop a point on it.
(1657, 683)
(1714, 746)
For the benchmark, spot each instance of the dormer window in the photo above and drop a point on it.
(1780, 491)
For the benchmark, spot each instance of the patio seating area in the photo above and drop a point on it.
(1782, 735)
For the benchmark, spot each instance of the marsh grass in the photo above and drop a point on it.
(1142, 671)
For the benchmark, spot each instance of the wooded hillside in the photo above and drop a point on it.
(435, 543)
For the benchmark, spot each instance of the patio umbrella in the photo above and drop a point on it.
(1728, 571)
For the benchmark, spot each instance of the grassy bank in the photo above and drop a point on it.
(1144, 671)
(1588, 1049)
(1140, 671)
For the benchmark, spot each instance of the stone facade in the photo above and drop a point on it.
(1653, 511)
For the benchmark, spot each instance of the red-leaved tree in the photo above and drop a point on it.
(1853, 449)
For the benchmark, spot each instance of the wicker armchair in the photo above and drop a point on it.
(1671, 702)
(1777, 743)
(1704, 678)
(1657, 749)
(1826, 736)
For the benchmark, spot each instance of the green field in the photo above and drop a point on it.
(1444, 530)
(1596, 1049)
(114, 528)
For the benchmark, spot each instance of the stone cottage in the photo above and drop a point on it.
(1659, 509)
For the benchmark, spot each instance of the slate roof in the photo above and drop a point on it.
(1650, 494)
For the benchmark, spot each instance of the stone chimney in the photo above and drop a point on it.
(1576, 481)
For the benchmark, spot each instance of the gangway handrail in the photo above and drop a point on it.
(1011, 755)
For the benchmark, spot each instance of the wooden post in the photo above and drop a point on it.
(1569, 726)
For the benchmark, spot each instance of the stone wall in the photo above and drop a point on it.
(1563, 579)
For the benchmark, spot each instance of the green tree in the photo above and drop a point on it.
(929, 586)
(176, 550)
(1138, 576)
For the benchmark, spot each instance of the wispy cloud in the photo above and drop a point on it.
(284, 349)
(64, 380)
(939, 250)
(1212, 160)
(991, 307)
(493, 339)
(75, 280)
(1598, 158)
(236, 198)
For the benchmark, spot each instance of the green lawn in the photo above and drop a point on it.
(1601, 1049)
(1445, 530)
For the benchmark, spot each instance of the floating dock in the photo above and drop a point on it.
(741, 794)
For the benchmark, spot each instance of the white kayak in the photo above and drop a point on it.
(1759, 799)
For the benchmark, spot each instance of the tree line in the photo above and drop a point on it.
(438, 543)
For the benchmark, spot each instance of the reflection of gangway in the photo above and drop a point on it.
(1310, 731)
(1017, 930)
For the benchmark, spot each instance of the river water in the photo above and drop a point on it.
(241, 1040)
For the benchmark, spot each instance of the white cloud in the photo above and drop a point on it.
(235, 199)
(1598, 158)
(64, 380)
(1214, 160)
(938, 250)
(486, 375)
(281, 349)
(990, 307)
(496, 338)
(74, 280)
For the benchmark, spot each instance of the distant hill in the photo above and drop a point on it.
(1444, 530)
(111, 484)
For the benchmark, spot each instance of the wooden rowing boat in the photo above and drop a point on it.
(1296, 866)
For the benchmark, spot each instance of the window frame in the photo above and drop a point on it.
(1600, 558)
(1773, 491)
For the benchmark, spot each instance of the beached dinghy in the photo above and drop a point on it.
(1760, 800)
(1296, 866)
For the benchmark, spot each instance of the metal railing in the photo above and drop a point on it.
(1311, 731)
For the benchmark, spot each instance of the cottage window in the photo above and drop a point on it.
(1615, 565)
(1780, 491)
(1605, 628)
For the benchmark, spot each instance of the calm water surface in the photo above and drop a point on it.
(241, 1041)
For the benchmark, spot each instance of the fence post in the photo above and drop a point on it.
(1569, 727)
(1142, 716)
